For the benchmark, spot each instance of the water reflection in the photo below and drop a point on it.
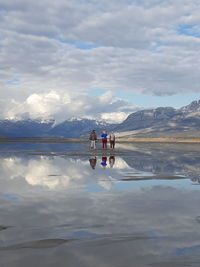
(93, 161)
(196, 180)
(59, 172)
(104, 161)
(112, 161)
(63, 208)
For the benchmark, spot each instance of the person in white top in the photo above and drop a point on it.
(112, 140)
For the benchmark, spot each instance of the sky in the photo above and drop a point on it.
(102, 60)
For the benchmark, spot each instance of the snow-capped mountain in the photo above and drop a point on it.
(162, 121)
(36, 128)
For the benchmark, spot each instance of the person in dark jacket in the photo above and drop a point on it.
(93, 139)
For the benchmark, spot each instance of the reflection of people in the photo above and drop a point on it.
(111, 161)
(103, 162)
(104, 139)
(93, 139)
(112, 140)
(93, 161)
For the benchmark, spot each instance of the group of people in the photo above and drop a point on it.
(104, 138)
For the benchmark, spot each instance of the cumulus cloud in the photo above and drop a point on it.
(61, 106)
(148, 47)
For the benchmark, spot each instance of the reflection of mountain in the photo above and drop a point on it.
(196, 180)
(165, 159)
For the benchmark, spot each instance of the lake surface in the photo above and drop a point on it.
(64, 205)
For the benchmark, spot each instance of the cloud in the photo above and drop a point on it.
(114, 116)
(148, 47)
(61, 106)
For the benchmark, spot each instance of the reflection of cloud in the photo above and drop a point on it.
(42, 172)
(107, 183)
(38, 175)
(120, 164)
(68, 172)
(155, 223)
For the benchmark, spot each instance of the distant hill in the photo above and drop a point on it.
(162, 121)
(36, 128)
(158, 122)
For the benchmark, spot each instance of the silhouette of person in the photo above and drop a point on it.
(111, 161)
(93, 161)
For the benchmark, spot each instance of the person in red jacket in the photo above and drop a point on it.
(104, 139)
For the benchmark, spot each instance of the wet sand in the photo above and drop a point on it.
(119, 140)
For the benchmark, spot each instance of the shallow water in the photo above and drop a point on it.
(64, 205)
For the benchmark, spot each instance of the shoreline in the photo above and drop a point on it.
(42, 140)
(159, 140)
(119, 140)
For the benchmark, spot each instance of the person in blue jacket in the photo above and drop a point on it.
(104, 139)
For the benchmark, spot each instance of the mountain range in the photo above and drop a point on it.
(158, 122)
(163, 122)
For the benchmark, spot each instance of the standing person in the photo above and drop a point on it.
(112, 140)
(93, 139)
(104, 139)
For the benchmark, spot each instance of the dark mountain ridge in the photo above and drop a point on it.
(161, 121)
(36, 128)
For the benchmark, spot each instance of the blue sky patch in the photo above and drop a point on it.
(13, 81)
(147, 101)
(188, 30)
(176, 101)
(155, 48)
